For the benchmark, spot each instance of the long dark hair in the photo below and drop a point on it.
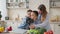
(42, 8)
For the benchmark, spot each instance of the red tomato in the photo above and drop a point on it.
(50, 32)
(46, 33)
(9, 28)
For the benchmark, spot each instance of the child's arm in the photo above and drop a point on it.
(32, 26)
(27, 32)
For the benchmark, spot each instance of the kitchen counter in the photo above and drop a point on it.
(16, 31)
(54, 22)
(55, 26)
(9, 33)
(20, 31)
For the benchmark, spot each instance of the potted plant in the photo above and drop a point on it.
(0, 15)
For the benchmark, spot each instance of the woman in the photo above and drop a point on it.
(44, 18)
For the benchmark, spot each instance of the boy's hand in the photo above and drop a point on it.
(32, 26)
(27, 33)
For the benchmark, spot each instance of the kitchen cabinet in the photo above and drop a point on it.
(55, 10)
(55, 16)
(17, 3)
(52, 27)
(55, 3)
(55, 27)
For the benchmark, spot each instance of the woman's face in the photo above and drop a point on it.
(33, 16)
(39, 11)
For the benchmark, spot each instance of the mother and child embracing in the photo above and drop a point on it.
(36, 22)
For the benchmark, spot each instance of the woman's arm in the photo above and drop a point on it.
(44, 23)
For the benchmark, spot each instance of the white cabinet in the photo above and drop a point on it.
(17, 3)
(52, 26)
(10, 1)
(55, 27)
(55, 3)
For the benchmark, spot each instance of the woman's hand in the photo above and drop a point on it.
(32, 26)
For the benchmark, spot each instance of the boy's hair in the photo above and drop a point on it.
(36, 12)
(29, 10)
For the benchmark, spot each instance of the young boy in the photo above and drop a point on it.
(26, 21)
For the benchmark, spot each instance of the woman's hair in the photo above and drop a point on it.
(29, 10)
(42, 8)
(36, 13)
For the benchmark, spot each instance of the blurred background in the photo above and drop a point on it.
(13, 11)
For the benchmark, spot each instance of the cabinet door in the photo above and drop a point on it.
(57, 4)
(57, 28)
(12, 0)
(52, 27)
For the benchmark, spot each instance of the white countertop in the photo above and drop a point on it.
(21, 31)
(54, 22)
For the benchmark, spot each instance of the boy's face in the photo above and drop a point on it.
(28, 14)
(33, 16)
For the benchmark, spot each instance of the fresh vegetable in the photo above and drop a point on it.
(9, 28)
(41, 30)
(33, 31)
(46, 33)
(50, 32)
(2, 29)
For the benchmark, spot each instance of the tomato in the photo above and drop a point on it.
(50, 32)
(9, 28)
(46, 33)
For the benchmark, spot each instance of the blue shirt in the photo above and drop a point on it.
(39, 17)
(24, 25)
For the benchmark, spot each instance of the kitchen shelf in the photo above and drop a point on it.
(54, 3)
(54, 0)
(17, 3)
(14, 7)
(54, 7)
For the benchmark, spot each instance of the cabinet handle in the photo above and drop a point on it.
(59, 25)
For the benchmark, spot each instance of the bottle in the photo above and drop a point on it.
(0, 15)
